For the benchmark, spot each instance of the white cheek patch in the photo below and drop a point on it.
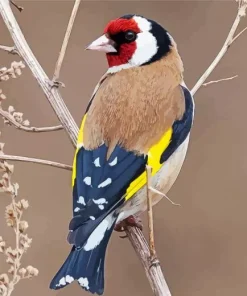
(146, 48)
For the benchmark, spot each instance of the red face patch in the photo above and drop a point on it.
(125, 50)
(121, 25)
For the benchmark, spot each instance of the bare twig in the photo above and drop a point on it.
(240, 33)
(220, 80)
(20, 8)
(36, 160)
(153, 271)
(19, 126)
(52, 93)
(150, 214)
(229, 40)
(9, 49)
(66, 40)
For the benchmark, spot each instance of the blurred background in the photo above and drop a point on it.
(201, 245)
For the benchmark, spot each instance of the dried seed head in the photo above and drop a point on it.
(23, 226)
(11, 270)
(22, 272)
(4, 278)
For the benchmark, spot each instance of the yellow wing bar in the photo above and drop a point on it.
(154, 155)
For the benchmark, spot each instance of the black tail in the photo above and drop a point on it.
(86, 265)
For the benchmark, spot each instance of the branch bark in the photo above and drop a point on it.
(66, 40)
(20, 126)
(50, 90)
(229, 40)
(9, 49)
(139, 243)
(36, 160)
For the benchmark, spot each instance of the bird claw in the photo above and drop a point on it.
(132, 221)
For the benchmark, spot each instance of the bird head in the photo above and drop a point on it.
(131, 41)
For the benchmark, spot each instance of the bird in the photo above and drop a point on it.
(140, 114)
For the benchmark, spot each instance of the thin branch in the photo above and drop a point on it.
(153, 271)
(52, 93)
(220, 80)
(20, 126)
(150, 214)
(20, 8)
(9, 49)
(240, 33)
(36, 160)
(229, 40)
(66, 40)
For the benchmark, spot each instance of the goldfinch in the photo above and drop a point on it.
(140, 114)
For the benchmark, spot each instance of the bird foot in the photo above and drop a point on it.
(132, 221)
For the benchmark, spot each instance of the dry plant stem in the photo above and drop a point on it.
(13, 122)
(66, 40)
(36, 160)
(153, 271)
(20, 8)
(229, 40)
(219, 80)
(150, 215)
(52, 93)
(9, 49)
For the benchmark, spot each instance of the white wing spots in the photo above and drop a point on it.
(114, 162)
(69, 279)
(77, 209)
(105, 183)
(96, 162)
(65, 280)
(84, 282)
(87, 181)
(92, 217)
(100, 202)
(98, 234)
(81, 200)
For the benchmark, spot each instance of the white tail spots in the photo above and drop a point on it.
(64, 280)
(96, 162)
(77, 209)
(81, 200)
(105, 183)
(69, 279)
(98, 234)
(114, 162)
(92, 217)
(101, 207)
(84, 282)
(87, 181)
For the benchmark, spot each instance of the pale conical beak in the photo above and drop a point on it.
(102, 44)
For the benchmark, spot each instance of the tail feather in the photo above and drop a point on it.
(86, 265)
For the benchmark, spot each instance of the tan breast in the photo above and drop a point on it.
(134, 107)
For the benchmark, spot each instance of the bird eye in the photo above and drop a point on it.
(130, 35)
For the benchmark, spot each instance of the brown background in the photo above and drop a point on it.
(202, 245)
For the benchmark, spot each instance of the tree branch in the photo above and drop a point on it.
(36, 160)
(229, 40)
(66, 40)
(19, 126)
(139, 243)
(9, 49)
(52, 93)
(219, 80)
